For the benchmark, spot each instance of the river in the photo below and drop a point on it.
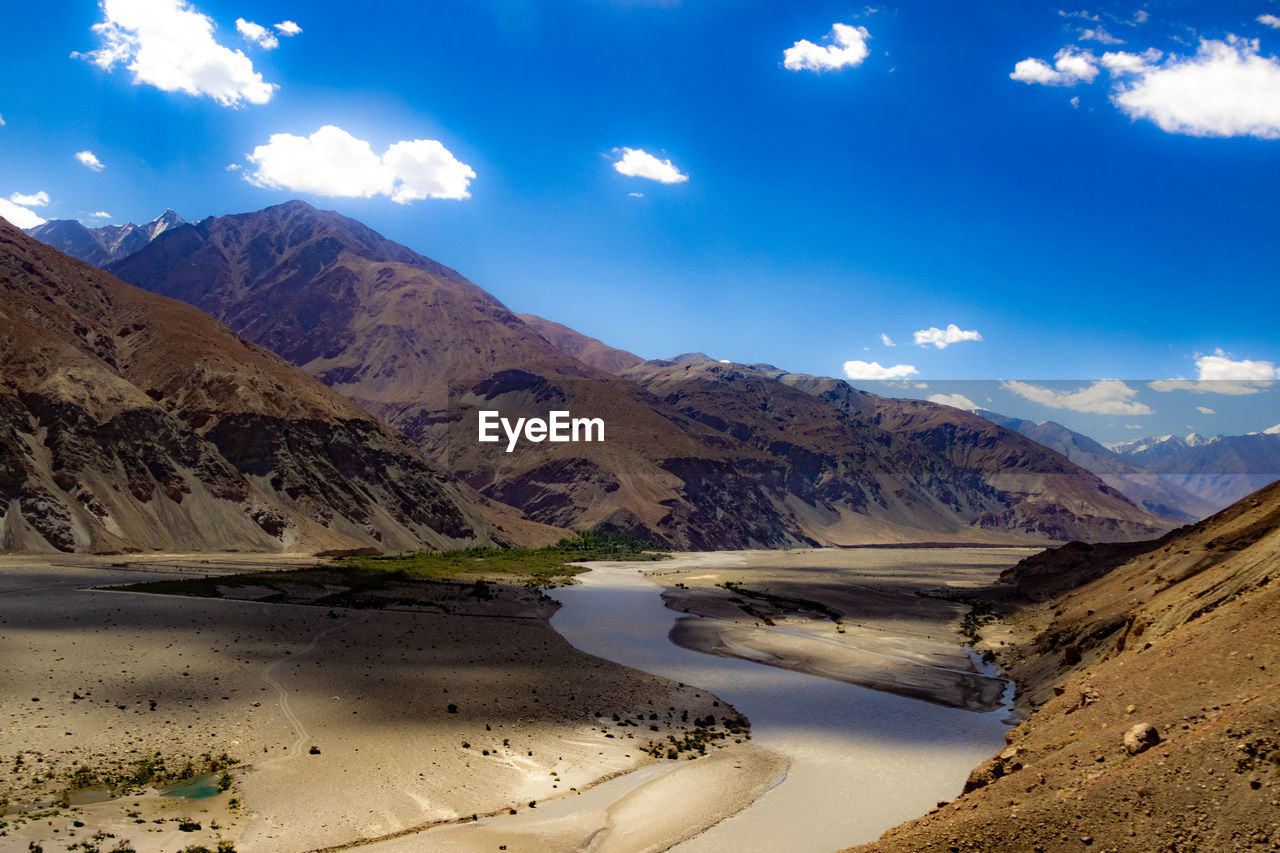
(862, 761)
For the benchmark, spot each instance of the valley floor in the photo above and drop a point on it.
(352, 727)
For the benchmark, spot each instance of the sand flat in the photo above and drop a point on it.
(264, 682)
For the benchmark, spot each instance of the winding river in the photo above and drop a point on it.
(862, 761)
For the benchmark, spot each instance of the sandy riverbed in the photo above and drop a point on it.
(369, 689)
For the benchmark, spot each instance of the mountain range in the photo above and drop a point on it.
(106, 243)
(699, 454)
(132, 421)
(1220, 470)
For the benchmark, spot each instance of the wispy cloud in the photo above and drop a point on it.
(257, 34)
(638, 163)
(1269, 20)
(1103, 397)
(100, 214)
(288, 28)
(874, 370)
(956, 401)
(170, 45)
(332, 162)
(39, 199)
(848, 48)
(943, 338)
(886, 340)
(1205, 410)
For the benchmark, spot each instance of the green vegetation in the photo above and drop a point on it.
(537, 566)
(375, 582)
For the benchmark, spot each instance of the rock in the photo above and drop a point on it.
(1140, 738)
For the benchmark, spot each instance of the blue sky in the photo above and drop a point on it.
(1082, 192)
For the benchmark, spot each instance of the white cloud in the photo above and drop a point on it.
(1205, 410)
(638, 163)
(1269, 20)
(886, 340)
(942, 338)
(170, 45)
(849, 49)
(1221, 366)
(19, 215)
(1103, 397)
(257, 34)
(635, 195)
(1141, 16)
(956, 401)
(332, 162)
(874, 370)
(2, 121)
(1226, 89)
(1100, 35)
(89, 160)
(288, 28)
(1210, 386)
(40, 199)
(1075, 102)
(1070, 66)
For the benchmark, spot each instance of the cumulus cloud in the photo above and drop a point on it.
(874, 370)
(20, 216)
(288, 28)
(332, 162)
(1269, 20)
(956, 401)
(1220, 373)
(170, 45)
(1103, 397)
(257, 34)
(1226, 89)
(1222, 366)
(638, 163)
(1205, 410)
(1070, 66)
(886, 340)
(90, 160)
(39, 199)
(848, 48)
(1101, 36)
(943, 338)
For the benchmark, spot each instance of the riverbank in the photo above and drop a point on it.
(414, 717)
(885, 619)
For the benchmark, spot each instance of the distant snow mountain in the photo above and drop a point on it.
(1144, 487)
(100, 246)
(1221, 469)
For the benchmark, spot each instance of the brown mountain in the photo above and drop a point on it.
(133, 421)
(423, 348)
(1178, 636)
(585, 349)
(851, 457)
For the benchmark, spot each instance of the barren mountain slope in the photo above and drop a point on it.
(419, 346)
(1180, 637)
(134, 421)
(586, 350)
